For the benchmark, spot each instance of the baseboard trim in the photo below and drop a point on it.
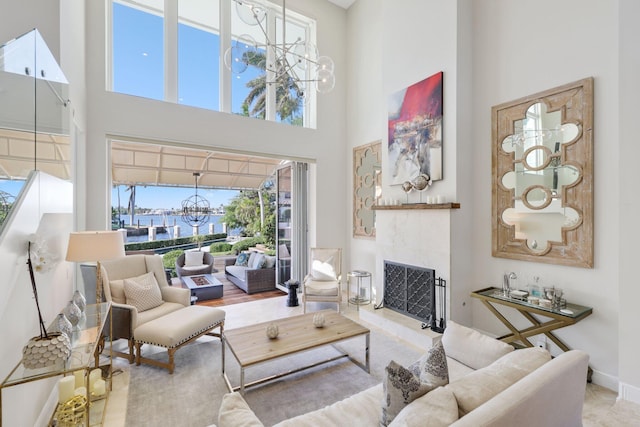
(629, 393)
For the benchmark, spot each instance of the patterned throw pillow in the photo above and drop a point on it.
(243, 259)
(402, 386)
(143, 292)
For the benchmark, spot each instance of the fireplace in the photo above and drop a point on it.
(415, 292)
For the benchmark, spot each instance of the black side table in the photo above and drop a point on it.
(292, 301)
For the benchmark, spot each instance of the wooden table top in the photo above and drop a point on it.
(251, 345)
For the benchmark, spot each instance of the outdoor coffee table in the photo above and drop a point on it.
(203, 286)
(250, 344)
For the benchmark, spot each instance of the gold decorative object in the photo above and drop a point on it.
(73, 412)
(542, 198)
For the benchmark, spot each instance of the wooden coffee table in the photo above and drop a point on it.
(250, 345)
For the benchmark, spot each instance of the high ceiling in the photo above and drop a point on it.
(136, 163)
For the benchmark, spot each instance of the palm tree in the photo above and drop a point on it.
(289, 95)
(132, 202)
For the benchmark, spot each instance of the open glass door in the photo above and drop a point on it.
(291, 232)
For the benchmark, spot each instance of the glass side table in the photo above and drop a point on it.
(359, 285)
(87, 342)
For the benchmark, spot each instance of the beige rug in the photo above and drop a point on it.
(192, 395)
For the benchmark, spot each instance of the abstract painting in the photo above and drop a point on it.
(415, 131)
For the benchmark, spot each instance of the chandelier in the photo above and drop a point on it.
(292, 65)
(195, 209)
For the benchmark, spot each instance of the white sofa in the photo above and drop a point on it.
(489, 385)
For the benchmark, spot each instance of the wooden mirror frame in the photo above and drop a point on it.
(575, 102)
(366, 188)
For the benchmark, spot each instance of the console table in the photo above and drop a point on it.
(86, 345)
(493, 296)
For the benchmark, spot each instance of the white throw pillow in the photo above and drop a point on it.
(143, 292)
(258, 261)
(401, 385)
(323, 270)
(234, 412)
(252, 257)
(270, 261)
(193, 258)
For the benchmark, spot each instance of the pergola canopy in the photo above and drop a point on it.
(140, 164)
(160, 165)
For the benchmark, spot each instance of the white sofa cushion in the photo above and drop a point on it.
(143, 292)
(472, 348)
(258, 261)
(403, 385)
(479, 386)
(238, 271)
(235, 412)
(438, 408)
(193, 258)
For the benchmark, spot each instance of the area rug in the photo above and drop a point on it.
(192, 395)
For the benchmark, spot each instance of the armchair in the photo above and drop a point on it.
(190, 264)
(126, 317)
(323, 283)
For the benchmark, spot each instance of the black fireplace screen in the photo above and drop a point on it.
(411, 290)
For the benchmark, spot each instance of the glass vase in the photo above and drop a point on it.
(64, 326)
(79, 300)
(72, 313)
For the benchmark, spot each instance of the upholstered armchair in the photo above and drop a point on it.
(191, 263)
(131, 307)
(323, 283)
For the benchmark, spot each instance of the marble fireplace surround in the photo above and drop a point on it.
(415, 237)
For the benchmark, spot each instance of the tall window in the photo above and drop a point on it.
(178, 55)
(138, 49)
(199, 53)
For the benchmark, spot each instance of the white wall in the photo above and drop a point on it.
(405, 42)
(490, 53)
(629, 88)
(44, 210)
(509, 63)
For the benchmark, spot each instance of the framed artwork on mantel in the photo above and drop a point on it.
(367, 182)
(415, 131)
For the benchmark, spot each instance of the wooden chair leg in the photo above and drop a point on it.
(131, 352)
(138, 352)
(172, 363)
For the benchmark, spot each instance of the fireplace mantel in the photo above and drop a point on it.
(416, 206)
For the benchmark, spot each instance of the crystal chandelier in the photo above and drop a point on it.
(292, 65)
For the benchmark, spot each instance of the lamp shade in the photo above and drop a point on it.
(85, 246)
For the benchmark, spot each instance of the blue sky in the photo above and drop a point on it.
(170, 197)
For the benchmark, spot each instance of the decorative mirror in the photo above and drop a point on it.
(367, 181)
(542, 206)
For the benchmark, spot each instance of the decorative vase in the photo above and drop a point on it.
(318, 320)
(72, 313)
(79, 300)
(272, 331)
(64, 325)
(41, 352)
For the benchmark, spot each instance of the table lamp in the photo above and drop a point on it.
(95, 246)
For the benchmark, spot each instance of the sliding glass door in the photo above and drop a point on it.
(291, 216)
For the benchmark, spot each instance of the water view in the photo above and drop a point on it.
(168, 221)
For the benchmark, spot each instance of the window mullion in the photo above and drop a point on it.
(171, 50)
(226, 75)
(270, 110)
